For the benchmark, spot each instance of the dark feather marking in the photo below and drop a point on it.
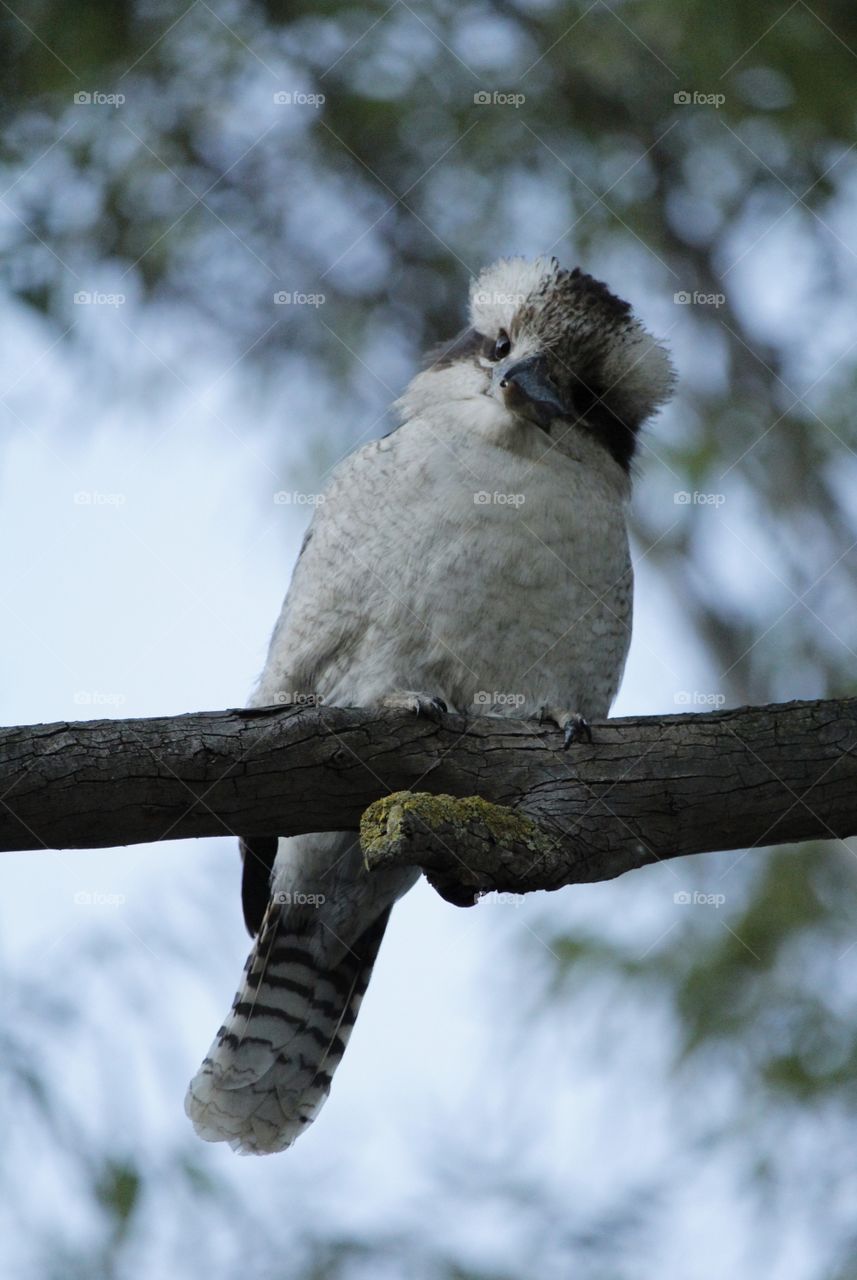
(596, 417)
(233, 1041)
(286, 953)
(258, 853)
(247, 1010)
(325, 1007)
(598, 291)
(279, 984)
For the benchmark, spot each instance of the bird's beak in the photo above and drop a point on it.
(526, 384)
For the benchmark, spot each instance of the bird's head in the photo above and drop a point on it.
(558, 349)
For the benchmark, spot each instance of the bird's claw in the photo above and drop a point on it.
(577, 730)
(575, 727)
(421, 704)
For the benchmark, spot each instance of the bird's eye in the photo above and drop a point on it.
(502, 346)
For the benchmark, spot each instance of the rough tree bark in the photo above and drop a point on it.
(536, 816)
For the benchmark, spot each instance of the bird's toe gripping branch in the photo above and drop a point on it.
(421, 704)
(466, 847)
(575, 727)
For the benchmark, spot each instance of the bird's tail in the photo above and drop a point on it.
(268, 1072)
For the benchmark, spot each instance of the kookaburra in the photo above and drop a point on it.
(476, 560)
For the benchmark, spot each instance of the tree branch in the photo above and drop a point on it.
(644, 790)
(465, 847)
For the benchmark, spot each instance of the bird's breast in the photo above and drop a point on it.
(513, 587)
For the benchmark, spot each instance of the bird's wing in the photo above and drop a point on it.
(322, 620)
(326, 609)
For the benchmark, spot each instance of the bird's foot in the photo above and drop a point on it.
(575, 728)
(421, 704)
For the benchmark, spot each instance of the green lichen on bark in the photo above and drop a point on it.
(390, 822)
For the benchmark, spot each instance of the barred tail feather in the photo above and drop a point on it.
(268, 1073)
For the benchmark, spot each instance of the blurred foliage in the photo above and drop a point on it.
(200, 197)
(203, 196)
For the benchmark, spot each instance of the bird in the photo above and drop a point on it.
(475, 560)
